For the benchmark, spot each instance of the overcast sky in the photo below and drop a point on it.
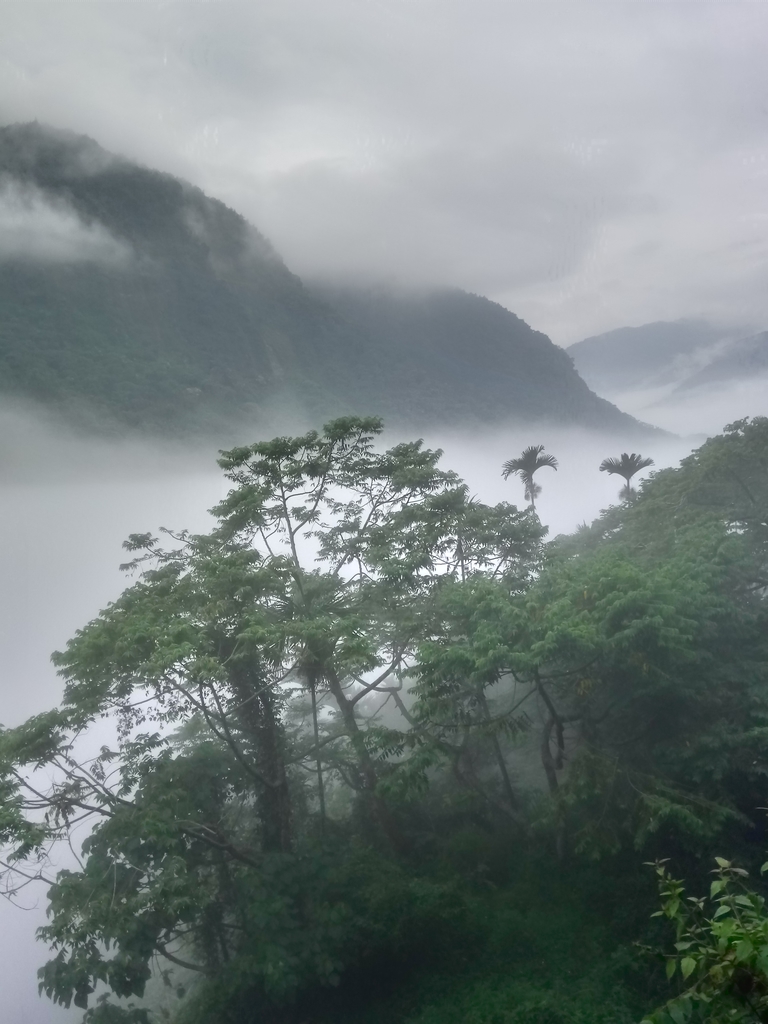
(587, 165)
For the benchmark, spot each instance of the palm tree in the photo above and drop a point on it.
(626, 466)
(531, 460)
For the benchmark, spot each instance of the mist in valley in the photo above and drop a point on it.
(67, 504)
(699, 412)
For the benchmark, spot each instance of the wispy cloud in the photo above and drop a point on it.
(33, 226)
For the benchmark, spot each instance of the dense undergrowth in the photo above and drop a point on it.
(533, 950)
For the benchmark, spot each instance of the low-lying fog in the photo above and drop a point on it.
(67, 503)
(702, 410)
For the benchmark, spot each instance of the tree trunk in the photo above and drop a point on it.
(547, 761)
(550, 765)
(367, 769)
(514, 803)
(312, 683)
(259, 720)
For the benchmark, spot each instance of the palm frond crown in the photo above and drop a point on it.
(625, 466)
(532, 459)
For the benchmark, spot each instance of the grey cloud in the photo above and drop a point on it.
(586, 164)
(474, 220)
(33, 226)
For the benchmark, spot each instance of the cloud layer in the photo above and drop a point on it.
(588, 165)
(33, 227)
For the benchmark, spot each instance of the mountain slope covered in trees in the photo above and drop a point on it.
(462, 354)
(632, 358)
(746, 359)
(129, 294)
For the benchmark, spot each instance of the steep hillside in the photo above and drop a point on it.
(130, 295)
(463, 357)
(184, 308)
(745, 359)
(631, 358)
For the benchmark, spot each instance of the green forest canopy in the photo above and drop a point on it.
(372, 736)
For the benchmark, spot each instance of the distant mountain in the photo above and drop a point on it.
(635, 358)
(461, 357)
(745, 359)
(128, 294)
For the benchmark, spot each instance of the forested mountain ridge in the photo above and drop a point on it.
(461, 352)
(193, 309)
(630, 358)
(747, 358)
(128, 294)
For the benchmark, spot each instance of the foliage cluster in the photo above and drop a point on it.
(722, 960)
(348, 721)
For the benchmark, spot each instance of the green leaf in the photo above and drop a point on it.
(687, 966)
(744, 950)
(743, 901)
(678, 1013)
